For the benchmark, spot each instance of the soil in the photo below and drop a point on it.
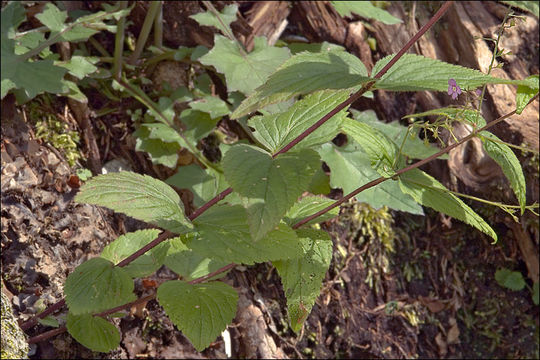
(399, 285)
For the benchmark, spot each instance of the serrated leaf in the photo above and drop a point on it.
(188, 263)
(127, 244)
(224, 234)
(297, 47)
(381, 151)
(427, 191)
(530, 6)
(269, 186)
(212, 105)
(307, 206)
(203, 183)
(139, 196)
(221, 22)
(52, 17)
(277, 130)
(200, 311)
(305, 73)
(80, 66)
(244, 72)
(302, 278)
(320, 183)
(366, 10)
(351, 168)
(413, 147)
(32, 78)
(503, 155)
(94, 332)
(512, 280)
(416, 73)
(97, 285)
(526, 93)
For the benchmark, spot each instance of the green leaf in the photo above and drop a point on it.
(80, 66)
(224, 235)
(97, 285)
(32, 78)
(381, 151)
(203, 183)
(305, 73)
(427, 191)
(189, 264)
(211, 105)
(269, 186)
(198, 124)
(320, 183)
(94, 332)
(244, 72)
(13, 14)
(302, 278)
(530, 6)
(509, 163)
(49, 321)
(307, 206)
(127, 244)
(536, 293)
(365, 9)
(512, 280)
(416, 73)
(139, 196)
(526, 93)
(413, 147)
(277, 130)
(222, 23)
(160, 151)
(200, 311)
(52, 17)
(351, 168)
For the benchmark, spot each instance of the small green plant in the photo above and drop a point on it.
(290, 105)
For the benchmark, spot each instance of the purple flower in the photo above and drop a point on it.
(453, 89)
(478, 92)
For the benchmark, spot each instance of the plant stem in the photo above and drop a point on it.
(119, 43)
(145, 30)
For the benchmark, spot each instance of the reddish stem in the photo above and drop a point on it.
(287, 147)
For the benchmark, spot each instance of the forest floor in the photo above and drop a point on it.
(399, 285)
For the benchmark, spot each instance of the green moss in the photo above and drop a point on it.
(14, 345)
(55, 131)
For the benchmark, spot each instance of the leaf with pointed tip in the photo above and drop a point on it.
(509, 163)
(97, 285)
(244, 72)
(222, 22)
(350, 168)
(302, 278)
(200, 311)
(525, 93)
(427, 191)
(381, 151)
(269, 186)
(366, 10)
(277, 130)
(139, 196)
(416, 73)
(413, 146)
(310, 205)
(224, 235)
(127, 244)
(94, 332)
(304, 73)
